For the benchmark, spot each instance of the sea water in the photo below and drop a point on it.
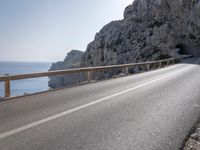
(20, 87)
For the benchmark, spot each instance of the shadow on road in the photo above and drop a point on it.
(193, 60)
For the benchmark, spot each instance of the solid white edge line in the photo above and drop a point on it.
(37, 123)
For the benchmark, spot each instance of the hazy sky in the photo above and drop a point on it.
(45, 30)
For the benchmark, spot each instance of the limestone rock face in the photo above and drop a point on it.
(150, 30)
(72, 60)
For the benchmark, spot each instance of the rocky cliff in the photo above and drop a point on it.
(150, 30)
(72, 60)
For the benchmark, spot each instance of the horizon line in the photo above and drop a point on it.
(32, 61)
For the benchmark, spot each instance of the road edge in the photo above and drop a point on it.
(192, 140)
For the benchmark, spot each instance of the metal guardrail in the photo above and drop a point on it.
(89, 70)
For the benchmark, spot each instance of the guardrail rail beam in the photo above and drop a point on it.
(88, 70)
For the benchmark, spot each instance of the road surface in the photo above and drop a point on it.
(148, 111)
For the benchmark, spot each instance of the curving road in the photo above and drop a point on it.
(148, 111)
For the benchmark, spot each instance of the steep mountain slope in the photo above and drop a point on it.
(151, 29)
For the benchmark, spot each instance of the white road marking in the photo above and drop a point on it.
(37, 123)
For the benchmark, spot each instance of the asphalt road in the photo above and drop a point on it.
(148, 111)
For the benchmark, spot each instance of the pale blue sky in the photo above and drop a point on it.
(45, 30)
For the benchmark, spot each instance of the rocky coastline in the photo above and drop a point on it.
(72, 60)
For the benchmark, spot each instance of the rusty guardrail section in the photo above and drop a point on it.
(89, 70)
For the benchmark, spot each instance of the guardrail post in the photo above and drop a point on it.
(7, 88)
(126, 71)
(173, 61)
(148, 66)
(160, 64)
(168, 63)
(89, 76)
(93, 75)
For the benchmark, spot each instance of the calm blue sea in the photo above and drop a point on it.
(20, 87)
